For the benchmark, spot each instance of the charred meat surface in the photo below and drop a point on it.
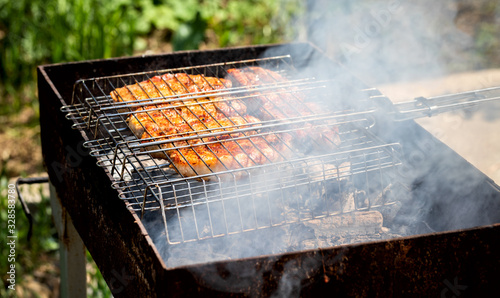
(228, 155)
(171, 88)
(281, 103)
(202, 127)
(188, 120)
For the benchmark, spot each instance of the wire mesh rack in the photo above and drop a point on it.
(297, 153)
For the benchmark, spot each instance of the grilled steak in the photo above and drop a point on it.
(172, 88)
(197, 147)
(283, 103)
(274, 103)
(202, 129)
(229, 155)
(179, 112)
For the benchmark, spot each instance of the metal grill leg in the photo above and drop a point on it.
(71, 251)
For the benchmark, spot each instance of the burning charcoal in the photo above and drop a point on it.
(328, 171)
(354, 223)
(190, 253)
(313, 244)
(297, 233)
(390, 211)
(361, 200)
(348, 202)
(326, 197)
(381, 198)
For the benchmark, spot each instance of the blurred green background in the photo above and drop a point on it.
(39, 32)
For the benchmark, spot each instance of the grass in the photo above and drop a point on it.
(35, 261)
(29, 255)
(51, 31)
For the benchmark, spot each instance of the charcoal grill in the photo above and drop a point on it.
(115, 184)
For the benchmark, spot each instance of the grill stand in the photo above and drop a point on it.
(71, 251)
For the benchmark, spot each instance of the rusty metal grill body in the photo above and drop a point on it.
(112, 182)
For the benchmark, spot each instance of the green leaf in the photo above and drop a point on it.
(190, 34)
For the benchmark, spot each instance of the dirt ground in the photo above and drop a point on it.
(475, 135)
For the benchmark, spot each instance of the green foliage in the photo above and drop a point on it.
(232, 22)
(52, 31)
(49, 31)
(96, 286)
(487, 41)
(28, 254)
(251, 22)
(190, 34)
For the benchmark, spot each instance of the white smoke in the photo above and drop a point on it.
(379, 42)
(383, 41)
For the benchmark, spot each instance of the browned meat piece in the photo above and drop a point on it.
(170, 87)
(229, 155)
(161, 128)
(282, 103)
(201, 131)
(167, 85)
(153, 117)
(207, 154)
(275, 103)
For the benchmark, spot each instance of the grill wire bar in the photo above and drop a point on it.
(428, 107)
(301, 185)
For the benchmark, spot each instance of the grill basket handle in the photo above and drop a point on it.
(33, 180)
(422, 106)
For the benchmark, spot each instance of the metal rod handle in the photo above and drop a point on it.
(422, 106)
(33, 180)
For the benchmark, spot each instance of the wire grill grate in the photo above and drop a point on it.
(304, 183)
